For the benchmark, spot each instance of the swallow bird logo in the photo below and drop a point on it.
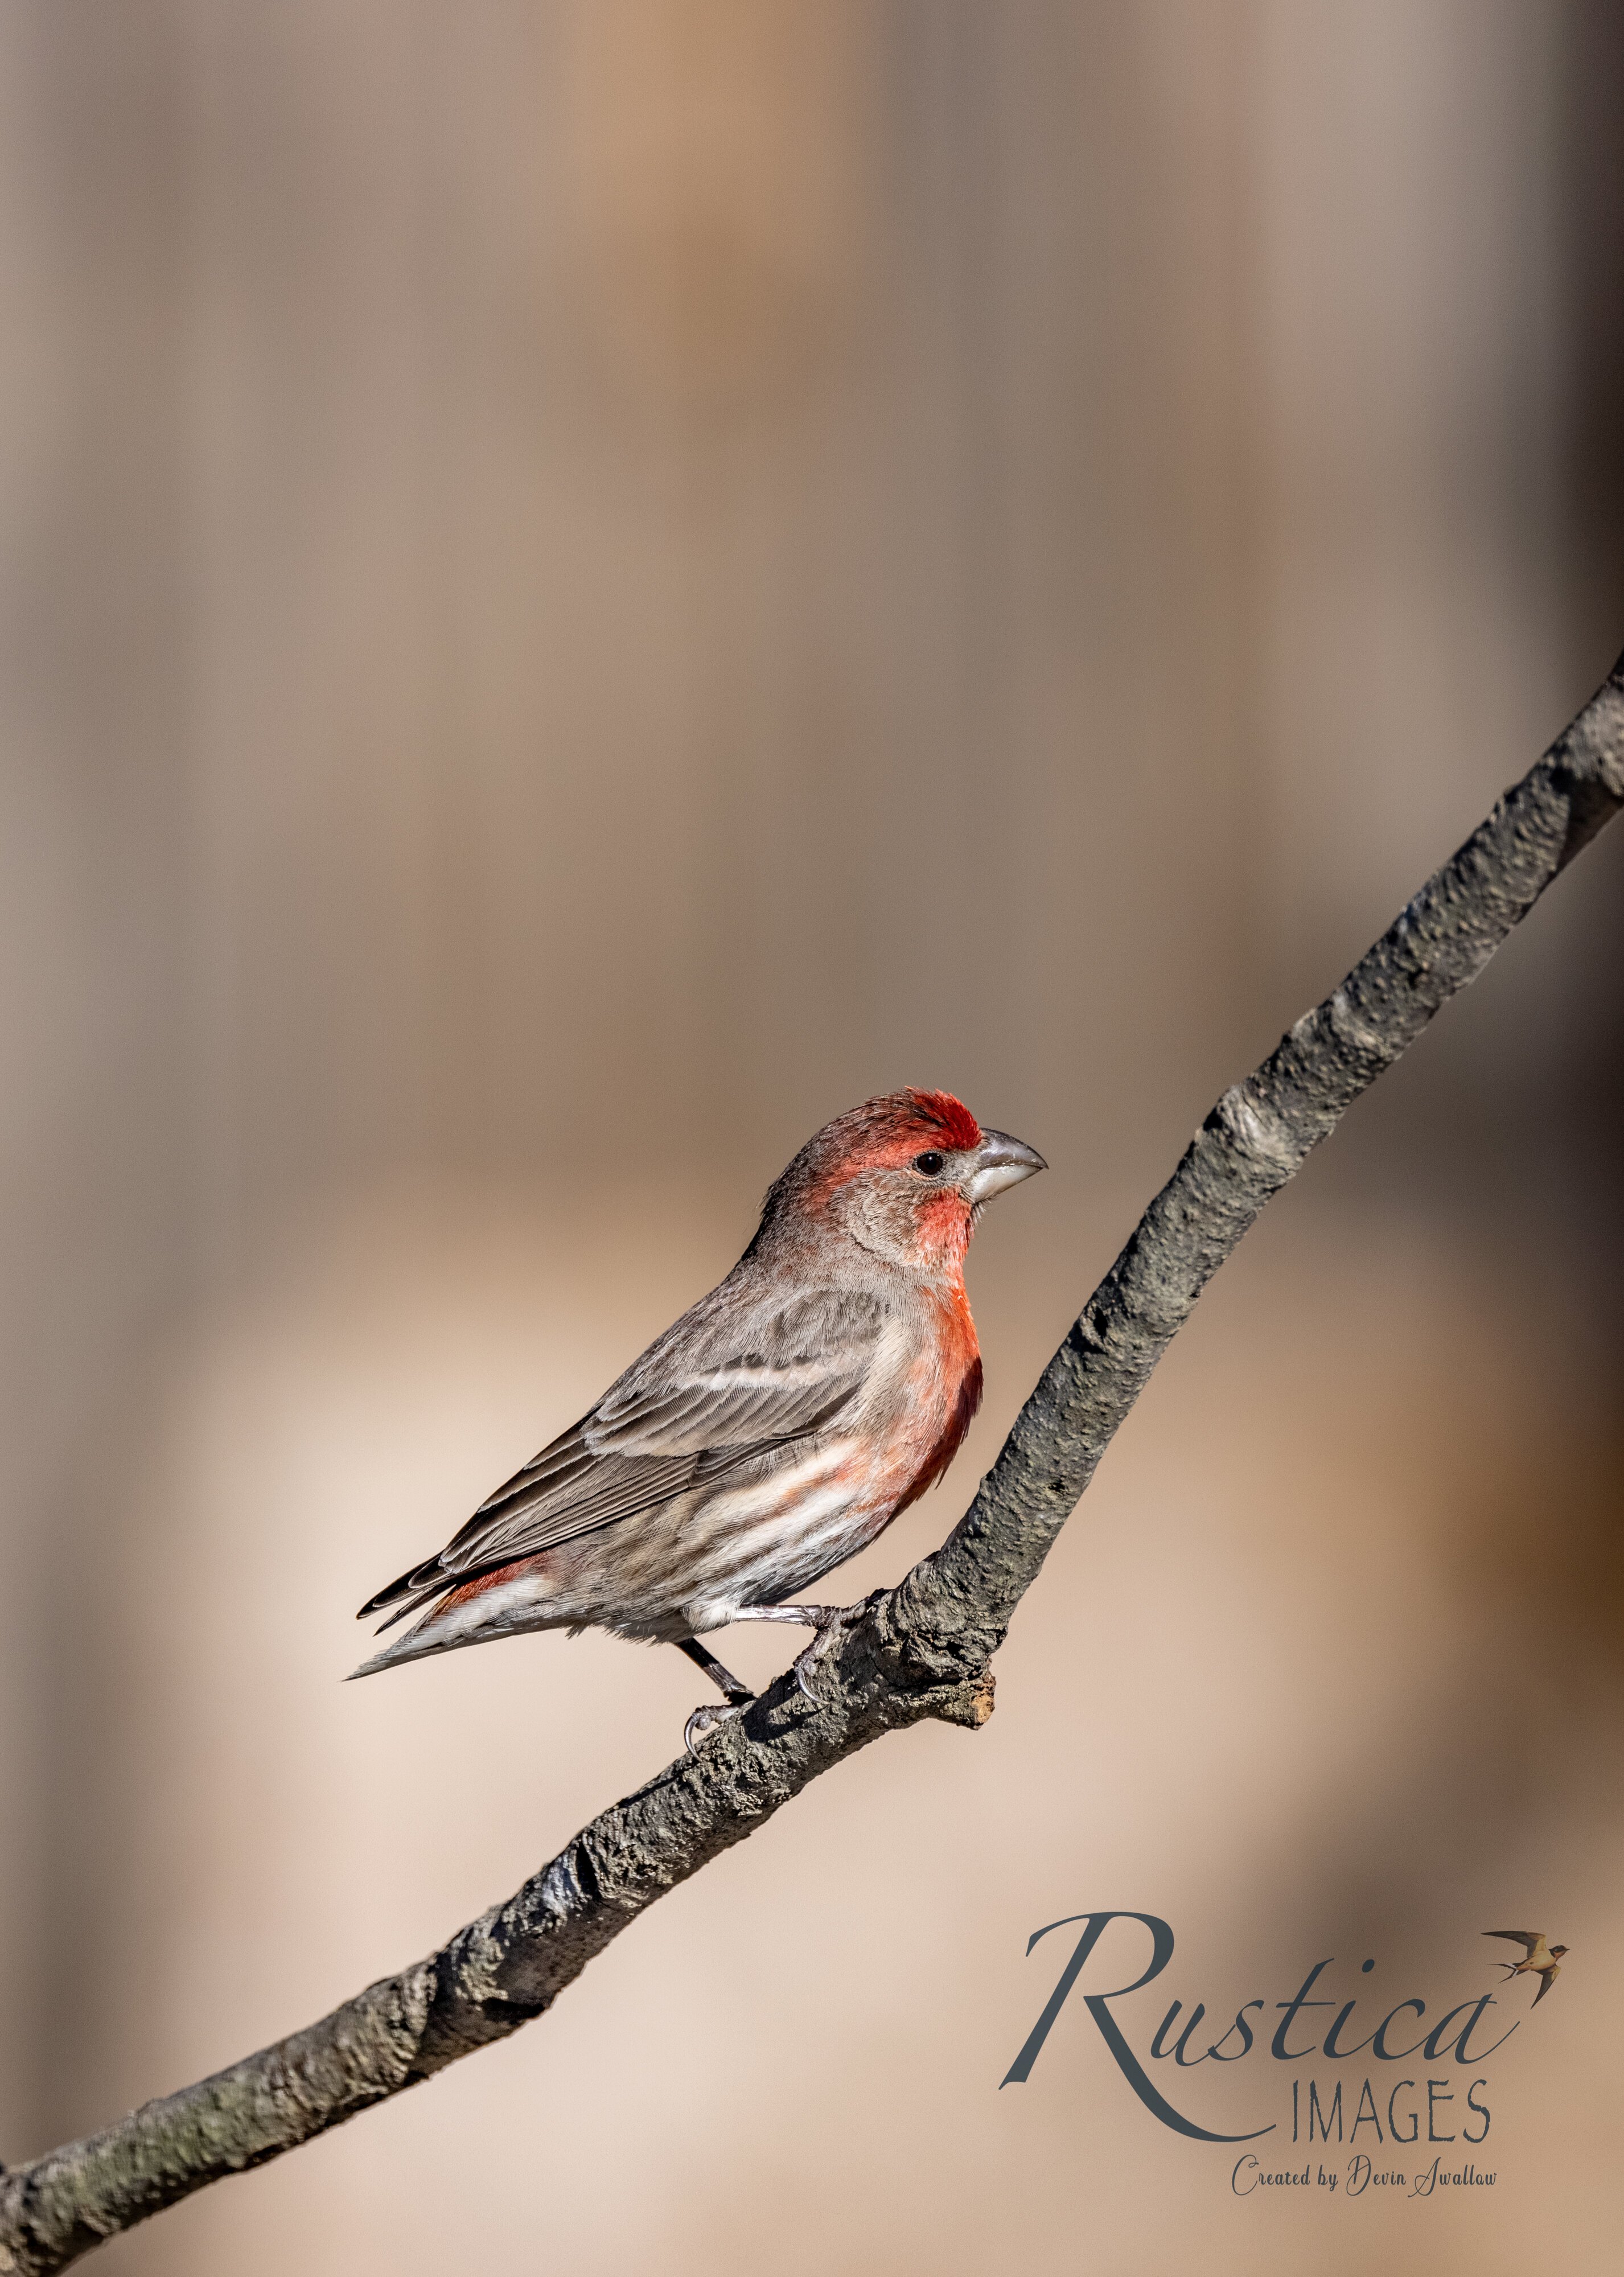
(1538, 1958)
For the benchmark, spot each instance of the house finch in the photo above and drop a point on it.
(771, 1433)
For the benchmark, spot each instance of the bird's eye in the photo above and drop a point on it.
(930, 1162)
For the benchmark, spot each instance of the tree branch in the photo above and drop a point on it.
(922, 1649)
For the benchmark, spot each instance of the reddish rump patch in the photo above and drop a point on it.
(494, 1579)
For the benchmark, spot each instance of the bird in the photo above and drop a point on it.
(771, 1433)
(1539, 1957)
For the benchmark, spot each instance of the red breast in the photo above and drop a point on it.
(955, 1363)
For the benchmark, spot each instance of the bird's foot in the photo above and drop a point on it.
(820, 1618)
(823, 1626)
(709, 1719)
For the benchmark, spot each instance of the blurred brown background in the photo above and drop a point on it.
(586, 583)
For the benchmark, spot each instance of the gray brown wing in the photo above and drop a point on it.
(710, 1397)
(1526, 1937)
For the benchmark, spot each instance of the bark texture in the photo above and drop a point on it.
(922, 1649)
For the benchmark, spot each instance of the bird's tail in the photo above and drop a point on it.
(413, 1589)
(458, 1609)
(417, 1644)
(409, 1594)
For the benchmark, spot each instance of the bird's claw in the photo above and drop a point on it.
(807, 1659)
(706, 1720)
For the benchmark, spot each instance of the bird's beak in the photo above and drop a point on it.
(1000, 1162)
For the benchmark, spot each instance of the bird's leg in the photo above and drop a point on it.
(820, 1618)
(806, 1617)
(737, 1695)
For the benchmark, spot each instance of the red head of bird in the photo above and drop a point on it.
(904, 1176)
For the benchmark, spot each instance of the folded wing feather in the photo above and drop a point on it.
(694, 1408)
